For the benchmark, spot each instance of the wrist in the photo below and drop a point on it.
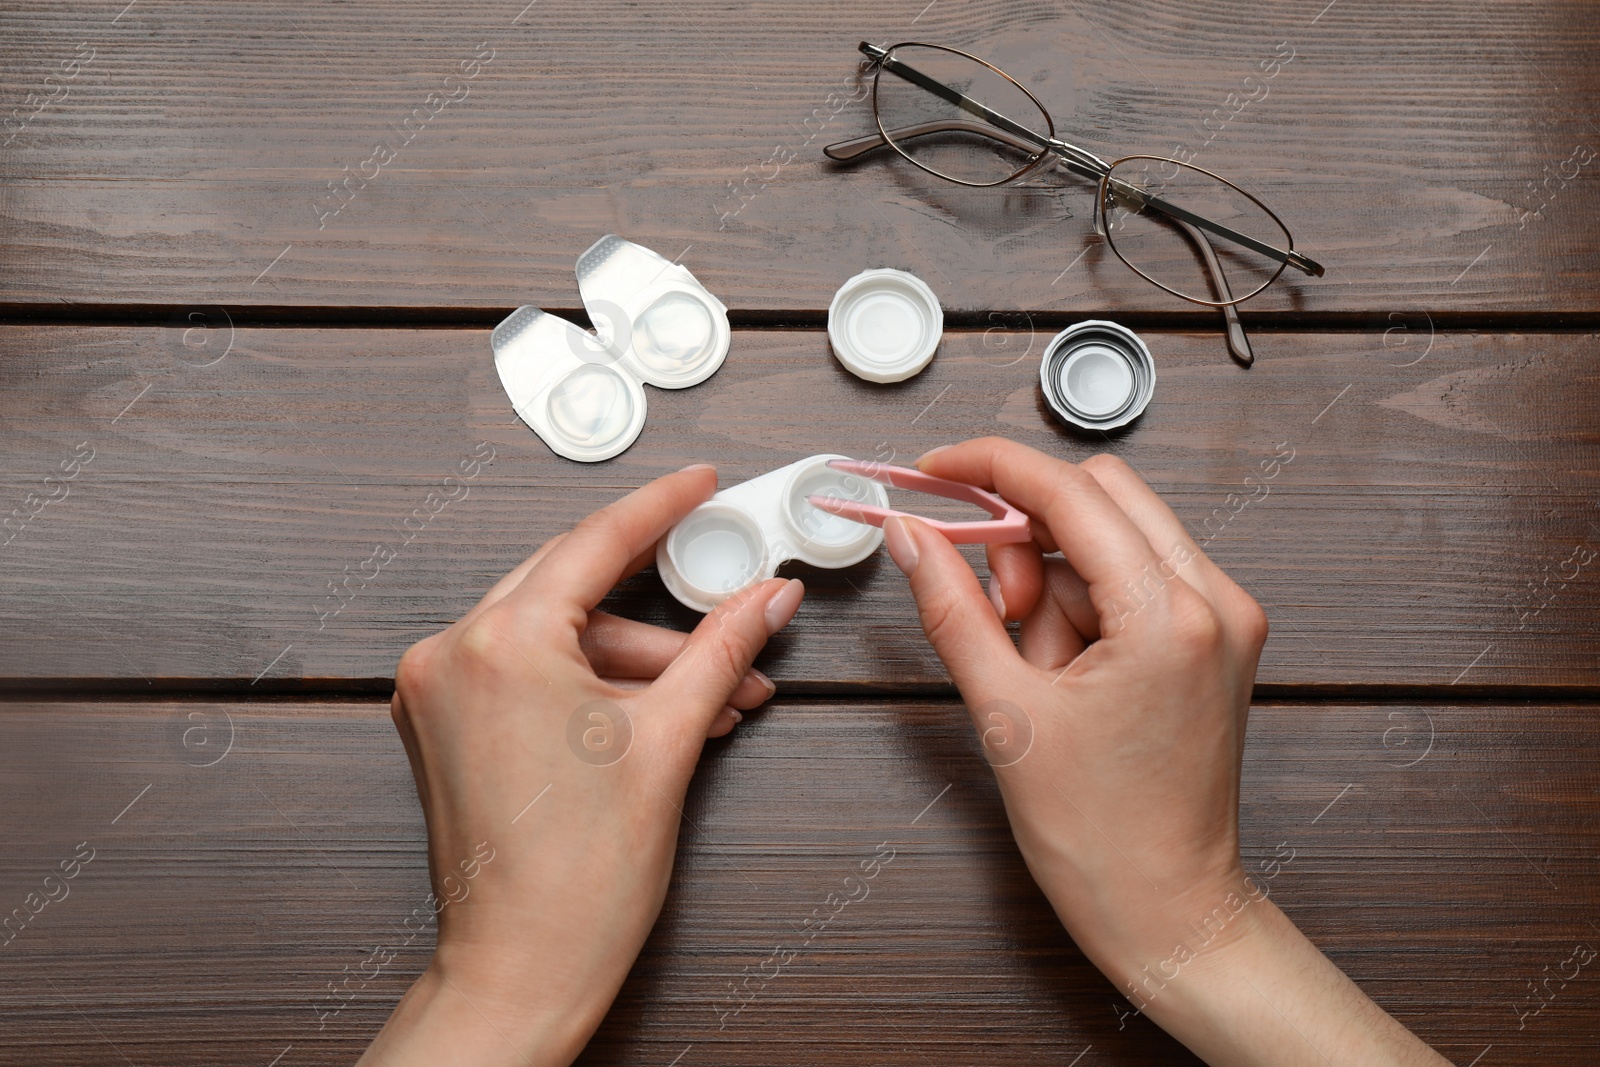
(476, 1015)
(1176, 957)
(1244, 987)
(1126, 922)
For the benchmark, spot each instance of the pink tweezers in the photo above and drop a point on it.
(1008, 525)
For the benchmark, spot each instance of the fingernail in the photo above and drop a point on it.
(697, 467)
(772, 687)
(784, 603)
(995, 598)
(902, 547)
(930, 453)
(738, 716)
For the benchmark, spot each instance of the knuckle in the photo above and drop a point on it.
(603, 525)
(941, 615)
(1073, 477)
(414, 671)
(1252, 620)
(1106, 467)
(1104, 461)
(723, 658)
(479, 647)
(1197, 629)
(727, 659)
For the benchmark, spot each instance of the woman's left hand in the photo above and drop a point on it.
(552, 790)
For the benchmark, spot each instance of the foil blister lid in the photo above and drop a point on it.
(658, 319)
(581, 392)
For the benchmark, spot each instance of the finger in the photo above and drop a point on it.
(957, 616)
(1063, 622)
(1176, 550)
(726, 719)
(724, 723)
(580, 571)
(1016, 579)
(1180, 558)
(513, 577)
(718, 653)
(1093, 533)
(750, 695)
(623, 648)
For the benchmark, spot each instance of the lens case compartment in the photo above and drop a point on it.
(583, 393)
(745, 532)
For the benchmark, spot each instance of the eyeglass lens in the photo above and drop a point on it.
(945, 138)
(1165, 251)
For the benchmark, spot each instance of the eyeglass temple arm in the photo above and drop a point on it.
(1078, 160)
(846, 151)
(1238, 343)
(1181, 215)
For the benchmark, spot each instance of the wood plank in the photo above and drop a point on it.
(1438, 156)
(1424, 531)
(220, 904)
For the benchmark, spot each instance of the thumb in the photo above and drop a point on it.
(717, 656)
(959, 619)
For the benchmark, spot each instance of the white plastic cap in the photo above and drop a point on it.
(884, 325)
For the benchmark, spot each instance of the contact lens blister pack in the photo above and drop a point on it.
(742, 534)
(583, 393)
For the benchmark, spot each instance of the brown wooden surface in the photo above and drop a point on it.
(219, 906)
(1422, 526)
(1418, 148)
(1437, 388)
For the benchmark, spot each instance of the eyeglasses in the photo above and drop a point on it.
(1177, 225)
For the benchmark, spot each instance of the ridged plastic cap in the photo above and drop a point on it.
(1097, 375)
(884, 324)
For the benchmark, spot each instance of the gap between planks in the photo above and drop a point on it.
(239, 690)
(294, 317)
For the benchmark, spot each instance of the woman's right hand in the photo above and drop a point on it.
(1116, 726)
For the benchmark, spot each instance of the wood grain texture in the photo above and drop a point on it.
(1437, 156)
(1424, 532)
(220, 905)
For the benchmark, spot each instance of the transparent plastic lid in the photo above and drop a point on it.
(580, 391)
(745, 532)
(569, 390)
(658, 319)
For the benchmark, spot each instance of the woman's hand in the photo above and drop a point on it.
(552, 783)
(1116, 727)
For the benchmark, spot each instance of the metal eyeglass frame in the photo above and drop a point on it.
(1049, 148)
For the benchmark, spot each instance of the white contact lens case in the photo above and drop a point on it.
(583, 393)
(742, 534)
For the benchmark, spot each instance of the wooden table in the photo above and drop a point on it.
(257, 351)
